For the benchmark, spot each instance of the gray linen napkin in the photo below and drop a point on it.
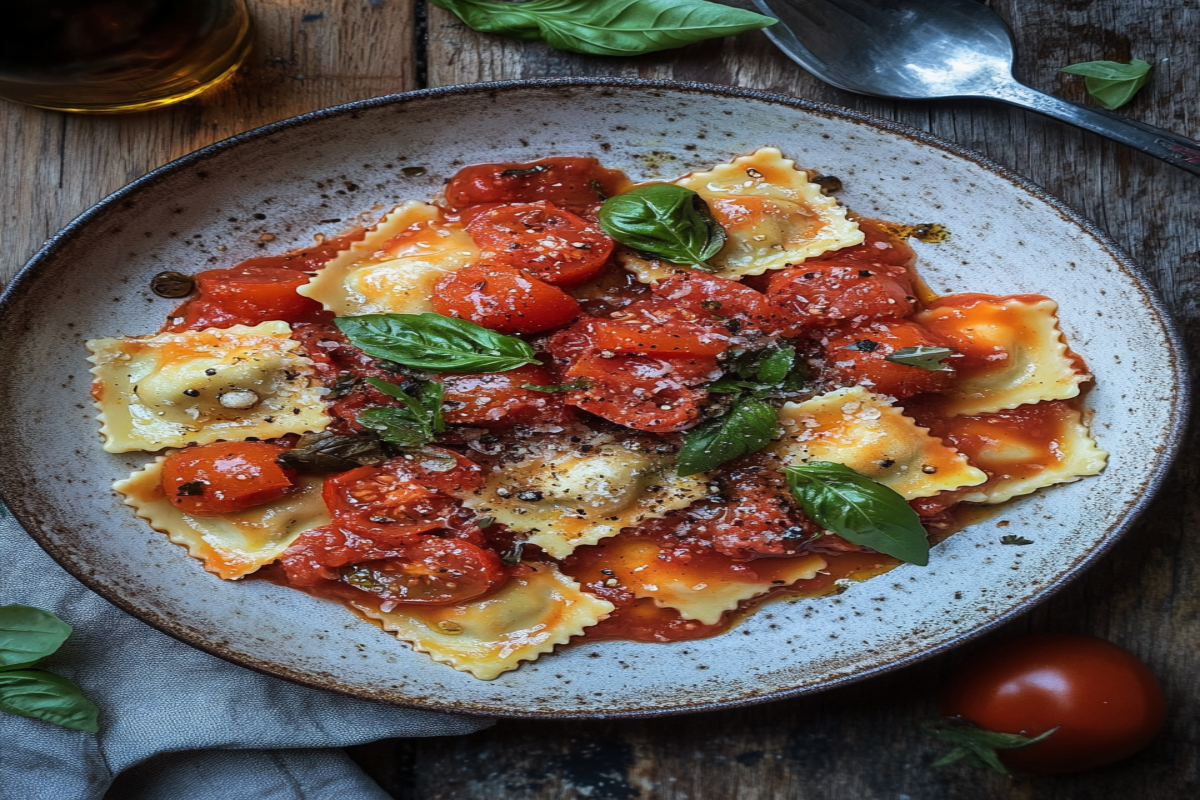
(179, 723)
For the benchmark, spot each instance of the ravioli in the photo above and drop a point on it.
(773, 215)
(394, 268)
(233, 544)
(564, 494)
(1024, 449)
(196, 387)
(871, 436)
(1013, 351)
(528, 616)
(703, 588)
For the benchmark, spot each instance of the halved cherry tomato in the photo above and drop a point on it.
(317, 555)
(858, 355)
(1104, 702)
(569, 182)
(499, 399)
(225, 477)
(431, 571)
(376, 502)
(715, 303)
(504, 299)
(552, 244)
(246, 295)
(668, 339)
(828, 291)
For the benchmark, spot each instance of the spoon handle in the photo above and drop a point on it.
(1170, 147)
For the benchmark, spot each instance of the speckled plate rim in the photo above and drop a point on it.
(24, 281)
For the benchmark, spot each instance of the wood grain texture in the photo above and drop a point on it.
(860, 742)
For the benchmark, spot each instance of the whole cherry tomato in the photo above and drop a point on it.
(568, 182)
(1102, 703)
(225, 477)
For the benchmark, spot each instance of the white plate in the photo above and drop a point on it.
(202, 211)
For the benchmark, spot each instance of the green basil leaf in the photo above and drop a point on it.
(930, 358)
(665, 221)
(415, 424)
(28, 634)
(859, 509)
(976, 745)
(1112, 83)
(333, 452)
(774, 365)
(746, 429)
(608, 28)
(45, 696)
(762, 373)
(435, 343)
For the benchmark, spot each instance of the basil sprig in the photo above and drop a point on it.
(976, 745)
(930, 358)
(859, 509)
(1112, 83)
(435, 343)
(608, 28)
(664, 221)
(415, 424)
(751, 422)
(27, 635)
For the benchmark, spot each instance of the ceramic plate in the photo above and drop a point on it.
(317, 172)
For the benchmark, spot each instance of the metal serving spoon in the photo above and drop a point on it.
(923, 49)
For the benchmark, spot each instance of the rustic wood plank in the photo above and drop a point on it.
(862, 742)
(306, 57)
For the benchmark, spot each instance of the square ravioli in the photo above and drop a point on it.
(196, 387)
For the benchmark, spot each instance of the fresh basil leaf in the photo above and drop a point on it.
(775, 364)
(28, 634)
(746, 429)
(1012, 538)
(930, 358)
(45, 696)
(763, 373)
(435, 343)
(333, 452)
(576, 385)
(415, 424)
(665, 221)
(608, 28)
(1112, 83)
(859, 509)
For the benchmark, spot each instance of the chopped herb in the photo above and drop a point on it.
(1013, 538)
(513, 556)
(190, 489)
(333, 452)
(930, 358)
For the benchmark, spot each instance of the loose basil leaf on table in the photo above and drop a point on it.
(664, 221)
(415, 424)
(333, 452)
(859, 509)
(608, 28)
(930, 358)
(1112, 83)
(46, 696)
(28, 634)
(746, 429)
(435, 343)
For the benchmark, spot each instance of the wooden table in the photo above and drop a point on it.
(857, 743)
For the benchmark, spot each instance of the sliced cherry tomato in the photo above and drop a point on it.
(246, 295)
(714, 302)
(225, 477)
(552, 244)
(504, 299)
(499, 399)
(430, 571)
(668, 339)
(317, 555)
(572, 183)
(858, 355)
(1104, 702)
(828, 291)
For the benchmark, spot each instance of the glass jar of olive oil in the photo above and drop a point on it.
(104, 56)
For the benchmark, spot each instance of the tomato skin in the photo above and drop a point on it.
(715, 303)
(568, 182)
(232, 477)
(554, 245)
(431, 571)
(668, 339)
(503, 299)
(827, 291)
(248, 294)
(847, 364)
(1106, 703)
(498, 399)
